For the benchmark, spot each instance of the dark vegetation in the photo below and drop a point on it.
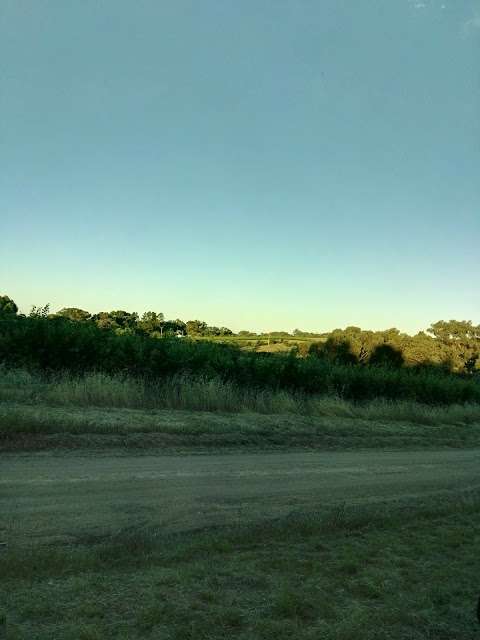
(407, 571)
(349, 363)
(382, 571)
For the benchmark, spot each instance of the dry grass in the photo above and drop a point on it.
(212, 395)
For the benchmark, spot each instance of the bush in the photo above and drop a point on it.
(50, 345)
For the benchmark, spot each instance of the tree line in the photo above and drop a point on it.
(451, 345)
(150, 323)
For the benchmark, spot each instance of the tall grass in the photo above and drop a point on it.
(194, 393)
(197, 393)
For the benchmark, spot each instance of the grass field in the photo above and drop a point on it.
(30, 427)
(101, 410)
(404, 571)
(212, 394)
(374, 544)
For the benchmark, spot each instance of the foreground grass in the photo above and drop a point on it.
(201, 394)
(39, 426)
(408, 571)
(100, 410)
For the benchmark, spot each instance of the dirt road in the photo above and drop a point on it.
(48, 496)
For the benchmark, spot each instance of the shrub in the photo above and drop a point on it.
(56, 344)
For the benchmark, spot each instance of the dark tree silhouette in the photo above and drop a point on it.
(7, 306)
(384, 355)
(335, 351)
(75, 314)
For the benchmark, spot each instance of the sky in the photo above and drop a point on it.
(261, 165)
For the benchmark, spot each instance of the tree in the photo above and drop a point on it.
(385, 355)
(361, 342)
(217, 331)
(40, 312)
(196, 328)
(462, 340)
(119, 321)
(174, 328)
(422, 349)
(7, 306)
(335, 349)
(212, 331)
(74, 314)
(470, 365)
(152, 324)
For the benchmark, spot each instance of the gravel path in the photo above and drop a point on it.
(47, 496)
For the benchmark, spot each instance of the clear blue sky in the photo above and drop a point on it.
(257, 164)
